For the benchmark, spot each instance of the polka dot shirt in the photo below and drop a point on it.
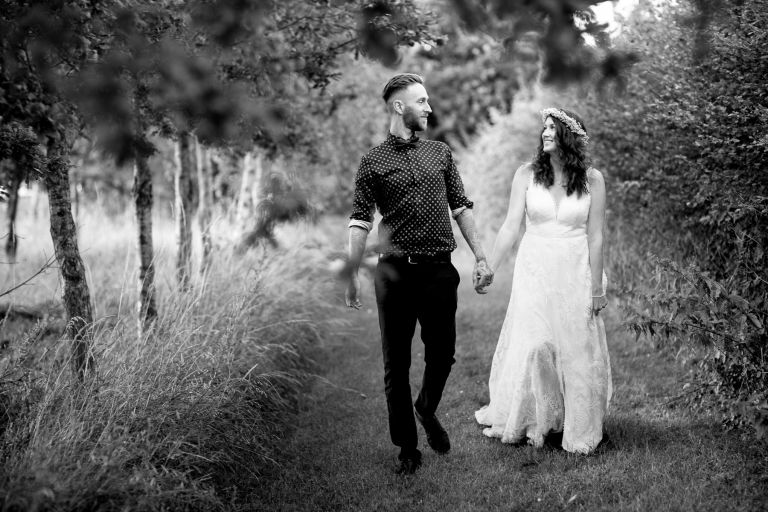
(416, 186)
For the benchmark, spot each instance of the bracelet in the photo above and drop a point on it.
(598, 296)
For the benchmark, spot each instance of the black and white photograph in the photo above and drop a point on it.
(384, 255)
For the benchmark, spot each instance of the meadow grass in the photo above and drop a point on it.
(661, 456)
(182, 418)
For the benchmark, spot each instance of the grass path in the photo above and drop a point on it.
(661, 458)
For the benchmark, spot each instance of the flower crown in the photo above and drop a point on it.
(567, 120)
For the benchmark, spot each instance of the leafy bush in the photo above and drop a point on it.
(687, 161)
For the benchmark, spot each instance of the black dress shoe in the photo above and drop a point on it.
(554, 440)
(408, 463)
(437, 437)
(605, 443)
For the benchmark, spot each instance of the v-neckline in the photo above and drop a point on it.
(555, 204)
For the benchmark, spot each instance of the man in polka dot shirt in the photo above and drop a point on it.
(417, 188)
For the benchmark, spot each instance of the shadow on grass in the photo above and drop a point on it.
(622, 434)
(628, 432)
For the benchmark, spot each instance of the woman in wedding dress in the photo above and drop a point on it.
(551, 371)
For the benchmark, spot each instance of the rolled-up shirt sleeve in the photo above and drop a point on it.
(364, 202)
(457, 199)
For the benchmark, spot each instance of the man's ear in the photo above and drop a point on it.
(398, 107)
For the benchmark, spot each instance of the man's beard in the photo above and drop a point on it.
(412, 120)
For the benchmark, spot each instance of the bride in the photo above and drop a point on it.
(551, 372)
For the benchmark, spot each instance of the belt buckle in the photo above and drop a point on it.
(411, 261)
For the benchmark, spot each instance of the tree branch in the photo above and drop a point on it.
(342, 45)
(42, 269)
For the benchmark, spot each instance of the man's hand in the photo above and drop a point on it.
(352, 295)
(482, 276)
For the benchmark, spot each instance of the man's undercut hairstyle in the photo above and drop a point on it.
(400, 82)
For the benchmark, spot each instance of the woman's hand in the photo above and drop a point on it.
(598, 304)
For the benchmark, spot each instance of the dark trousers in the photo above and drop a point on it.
(406, 293)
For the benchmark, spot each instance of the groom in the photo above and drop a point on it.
(417, 188)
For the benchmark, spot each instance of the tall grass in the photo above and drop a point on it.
(182, 418)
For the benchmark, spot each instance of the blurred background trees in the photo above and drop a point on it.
(120, 71)
(233, 116)
(235, 75)
(258, 112)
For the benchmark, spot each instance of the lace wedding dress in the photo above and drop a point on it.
(551, 371)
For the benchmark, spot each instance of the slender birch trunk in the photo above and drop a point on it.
(260, 225)
(185, 206)
(142, 195)
(204, 210)
(219, 189)
(244, 197)
(12, 243)
(257, 186)
(77, 297)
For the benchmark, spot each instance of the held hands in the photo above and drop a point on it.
(352, 295)
(599, 302)
(482, 276)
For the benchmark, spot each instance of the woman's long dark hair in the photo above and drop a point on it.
(572, 151)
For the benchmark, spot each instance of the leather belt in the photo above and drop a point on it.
(416, 259)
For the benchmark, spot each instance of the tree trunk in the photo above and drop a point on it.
(257, 186)
(13, 207)
(243, 198)
(219, 186)
(77, 297)
(185, 206)
(204, 210)
(142, 195)
(250, 189)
